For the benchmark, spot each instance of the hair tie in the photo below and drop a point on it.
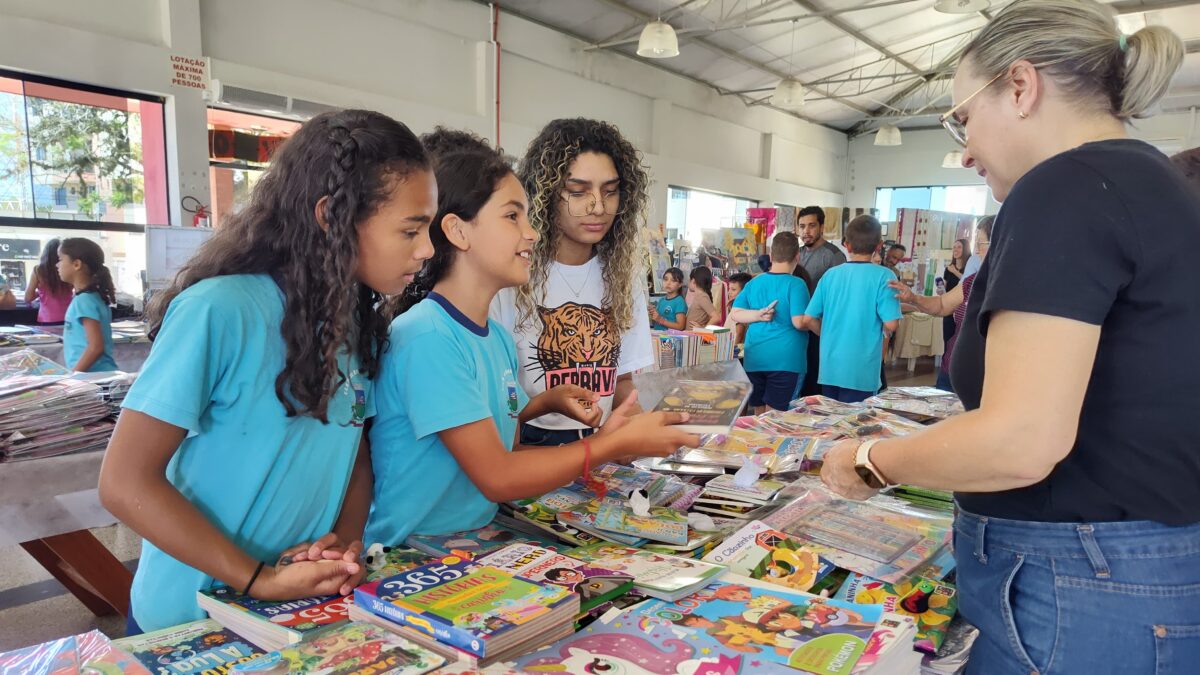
(1123, 42)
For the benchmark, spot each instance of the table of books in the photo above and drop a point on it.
(53, 429)
(665, 566)
(129, 355)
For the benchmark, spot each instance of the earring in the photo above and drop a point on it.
(1022, 115)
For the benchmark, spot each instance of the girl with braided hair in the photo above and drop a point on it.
(87, 326)
(449, 403)
(240, 456)
(582, 318)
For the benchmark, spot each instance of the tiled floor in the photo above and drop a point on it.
(35, 608)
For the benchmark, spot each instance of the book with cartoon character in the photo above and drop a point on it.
(351, 649)
(200, 646)
(789, 628)
(657, 575)
(595, 585)
(270, 624)
(931, 603)
(480, 609)
(475, 543)
(712, 407)
(637, 645)
(760, 552)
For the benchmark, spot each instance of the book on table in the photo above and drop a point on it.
(269, 624)
(193, 647)
(712, 407)
(594, 584)
(657, 575)
(347, 649)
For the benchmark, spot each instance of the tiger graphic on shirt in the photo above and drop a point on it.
(578, 345)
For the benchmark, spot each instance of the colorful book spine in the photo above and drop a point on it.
(365, 597)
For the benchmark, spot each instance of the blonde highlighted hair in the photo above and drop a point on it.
(543, 171)
(1078, 44)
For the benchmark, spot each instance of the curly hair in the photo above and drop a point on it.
(354, 159)
(543, 172)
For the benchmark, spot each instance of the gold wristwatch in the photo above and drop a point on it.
(865, 469)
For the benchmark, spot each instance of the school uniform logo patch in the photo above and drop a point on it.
(578, 345)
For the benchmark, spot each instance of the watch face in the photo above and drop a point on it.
(869, 477)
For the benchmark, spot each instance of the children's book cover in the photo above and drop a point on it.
(583, 517)
(932, 603)
(759, 552)
(595, 585)
(473, 543)
(197, 647)
(629, 644)
(712, 406)
(654, 571)
(387, 561)
(460, 603)
(660, 524)
(299, 616)
(760, 491)
(352, 649)
(794, 629)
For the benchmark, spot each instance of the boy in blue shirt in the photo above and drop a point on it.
(773, 305)
(851, 310)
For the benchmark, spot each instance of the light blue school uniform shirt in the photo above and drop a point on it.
(265, 480)
(669, 308)
(776, 344)
(87, 306)
(853, 301)
(441, 371)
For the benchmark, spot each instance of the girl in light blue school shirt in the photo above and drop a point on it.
(87, 328)
(450, 404)
(239, 456)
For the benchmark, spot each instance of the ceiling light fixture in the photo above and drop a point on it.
(952, 160)
(888, 134)
(789, 93)
(658, 41)
(961, 6)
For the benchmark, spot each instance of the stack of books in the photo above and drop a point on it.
(759, 552)
(594, 584)
(484, 613)
(44, 416)
(657, 575)
(273, 625)
(30, 336)
(113, 386)
(684, 348)
(723, 496)
(128, 331)
(200, 646)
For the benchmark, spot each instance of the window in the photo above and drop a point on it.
(690, 212)
(971, 199)
(239, 152)
(74, 154)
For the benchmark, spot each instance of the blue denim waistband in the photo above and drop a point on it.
(1124, 539)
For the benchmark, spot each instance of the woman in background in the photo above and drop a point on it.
(51, 292)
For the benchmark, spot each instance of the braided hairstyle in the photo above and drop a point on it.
(467, 177)
(543, 172)
(91, 255)
(353, 159)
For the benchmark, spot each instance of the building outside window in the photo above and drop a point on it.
(971, 199)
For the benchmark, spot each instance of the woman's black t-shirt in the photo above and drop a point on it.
(1106, 234)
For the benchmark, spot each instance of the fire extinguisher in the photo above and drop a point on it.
(199, 211)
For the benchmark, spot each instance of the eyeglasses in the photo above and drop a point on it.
(958, 130)
(580, 204)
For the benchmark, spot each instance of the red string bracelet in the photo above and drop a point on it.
(597, 486)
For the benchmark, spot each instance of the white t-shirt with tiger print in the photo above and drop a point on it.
(571, 339)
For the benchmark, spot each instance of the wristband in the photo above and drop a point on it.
(597, 486)
(258, 570)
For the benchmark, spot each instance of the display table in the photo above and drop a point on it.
(47, 506)
(129, 355)
(918, 335)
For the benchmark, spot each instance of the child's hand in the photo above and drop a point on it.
(654, 316)
(620, 415)
(581, 405)
(766, 314)
(328, 547)
(307, 579)
(652, 434)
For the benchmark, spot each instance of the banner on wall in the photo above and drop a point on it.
(765, 219)
(838, 217)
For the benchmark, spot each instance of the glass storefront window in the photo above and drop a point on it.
(239, 151)
(21, 251)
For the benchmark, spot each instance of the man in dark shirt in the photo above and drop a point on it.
(816, 257)
(894, 255)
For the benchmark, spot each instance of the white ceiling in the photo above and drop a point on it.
(865, 62)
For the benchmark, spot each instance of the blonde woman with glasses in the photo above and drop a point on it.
(1077, 464)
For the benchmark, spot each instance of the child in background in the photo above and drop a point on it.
(773, 305)
(701, 311)
(450, 406)
(851, 310)
(737, 282)
(87, 331)
(670, 311)
(239, 456)
(52, 293)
